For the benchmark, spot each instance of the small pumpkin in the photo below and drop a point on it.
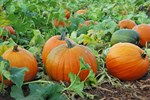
(87, 23)
(67, 13)
(58, 23)
(127, 61)
(19, 57)
(144, 33)
(65, 59)
(80, 12)
(125, 35)
(51, 43)
(10, 29)
(126, 24)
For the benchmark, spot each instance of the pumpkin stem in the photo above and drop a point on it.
(143, 55)
(69, 44)
(15, 49)
(62, 37)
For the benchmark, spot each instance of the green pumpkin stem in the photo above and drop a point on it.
(143, 55)
(15, 49)
(62, 37)
(69, 44)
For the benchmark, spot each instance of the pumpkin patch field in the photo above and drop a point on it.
(74, 49)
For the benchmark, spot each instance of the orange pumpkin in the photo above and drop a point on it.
(126, 23)
(58, 23)
(81, 12)
(87, 23)
(127, 61)
(65, 59)
(10, 29)
(52, 43)
(67, 13)
(20, 58)
(144, 33)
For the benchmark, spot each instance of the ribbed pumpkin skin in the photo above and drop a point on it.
(125, 62)
(144, 33)
(126, 23)
(50, 44)
(20, 59)
(63, 60)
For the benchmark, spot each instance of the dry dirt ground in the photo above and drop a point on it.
(135, 90)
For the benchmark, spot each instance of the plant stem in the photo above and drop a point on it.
(69, 44)
(3, 84)
(143, 55)
(15, 49)
(38, 81)
(62, 37)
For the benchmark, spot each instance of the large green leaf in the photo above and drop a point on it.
(39, 92)
(17, 75)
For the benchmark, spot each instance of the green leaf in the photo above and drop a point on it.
(6, 74)
(91, 79)
(83, 30)
(76, 85)
(39, 92)
(4, 64)
(83, 66)
(17, 75)
(16, 92)
(35, 50)
(11, 42)
(37, 39)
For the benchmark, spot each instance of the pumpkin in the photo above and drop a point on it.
(81, 12)
(125, 35)
(10, 29)
(67, 13)
(126, 23)
(144, 33)
(51, 43)
(19, 57)
(66, 58)
(87, 23)
(58, 23)
(127, 61)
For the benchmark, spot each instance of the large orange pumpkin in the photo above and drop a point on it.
(19, 57)
(51, 43)
(126, 23)
(65, 59)
(144, 33)
(127, 61)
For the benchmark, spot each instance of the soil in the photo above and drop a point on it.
(130, 90)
